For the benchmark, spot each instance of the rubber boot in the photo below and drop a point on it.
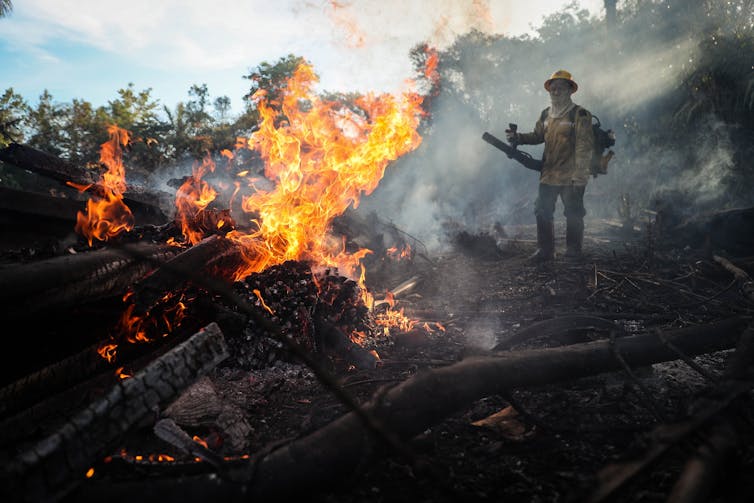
(574, 237)
(545, 241)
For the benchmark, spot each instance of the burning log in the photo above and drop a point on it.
(334, 451)
(146, 205)
(214, 257)
(69, 280)
(54, 465)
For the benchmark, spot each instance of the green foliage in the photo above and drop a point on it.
(13, 113)
(271, 78)
(48, 118)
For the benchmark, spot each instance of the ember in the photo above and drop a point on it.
(318, 312)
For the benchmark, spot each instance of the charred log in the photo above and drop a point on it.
(213, 257)
(145, 205)
(47, 165)
(54, 465)
(334, 451)
(69, 280)
(561, 328)
(36, 221)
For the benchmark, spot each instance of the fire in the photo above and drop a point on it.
(397, 319)
(323, 156)
(192, 199)
(399, 254)
(262, 302)
(320, 156)
(107, 215)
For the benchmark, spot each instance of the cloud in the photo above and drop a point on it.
(358, 44)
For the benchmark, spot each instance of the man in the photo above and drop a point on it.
(566, 130)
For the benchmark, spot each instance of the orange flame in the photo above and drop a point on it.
(323, 157)
(107, 215)
(192, 198)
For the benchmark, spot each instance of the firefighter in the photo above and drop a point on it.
(566, 130)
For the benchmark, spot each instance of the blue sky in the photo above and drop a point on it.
(88, 49)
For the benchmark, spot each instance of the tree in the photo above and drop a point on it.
(13, 112)
(47, 120)
(84, 129)
(6, 6)
(133, 109)
(271, 79)
(222, 107)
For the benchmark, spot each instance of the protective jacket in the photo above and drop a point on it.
(569, 144)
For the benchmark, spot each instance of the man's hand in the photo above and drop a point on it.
(512, 136)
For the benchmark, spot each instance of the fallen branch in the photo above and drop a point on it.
(333, 452)
(559, 328)
(745, 282)
(71, 280)
(667, 435)
(146, 204)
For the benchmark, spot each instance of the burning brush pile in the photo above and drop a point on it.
(320, 157)
(269, 283)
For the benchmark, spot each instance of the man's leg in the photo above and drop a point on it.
(544, 210)
(573, 201)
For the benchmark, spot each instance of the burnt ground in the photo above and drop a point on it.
(549, 443)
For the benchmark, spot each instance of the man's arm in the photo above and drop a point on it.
(535, 137)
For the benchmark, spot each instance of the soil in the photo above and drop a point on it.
(551, 443)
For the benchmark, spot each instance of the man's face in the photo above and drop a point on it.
(560, 87)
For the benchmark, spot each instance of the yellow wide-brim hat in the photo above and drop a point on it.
(562, 74)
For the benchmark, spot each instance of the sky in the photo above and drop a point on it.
(89, 49)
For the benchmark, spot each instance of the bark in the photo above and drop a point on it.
(334, 341)
(47, 165)
(335, 451)
(70, 280)
(53, 466)
(559, 329)
(34, 205)
(214, 257)
(36, 386)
